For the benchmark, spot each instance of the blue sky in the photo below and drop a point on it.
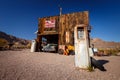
(20, 17)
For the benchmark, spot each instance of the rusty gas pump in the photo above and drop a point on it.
(82, 59)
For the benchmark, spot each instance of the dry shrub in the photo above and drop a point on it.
(3, 42)
(113, 51)
(29, 45)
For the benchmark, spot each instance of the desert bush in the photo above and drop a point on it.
(3, 42)
(28, 46)
(113, 51)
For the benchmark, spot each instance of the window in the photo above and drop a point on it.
(80, 32)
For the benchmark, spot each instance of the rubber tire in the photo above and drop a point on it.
(60, 51)
(71, 52)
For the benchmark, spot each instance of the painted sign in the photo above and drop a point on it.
(49, 23)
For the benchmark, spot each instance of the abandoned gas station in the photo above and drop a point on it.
(60, 29)
(66, 30)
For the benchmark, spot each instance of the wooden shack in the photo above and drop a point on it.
(60, 29)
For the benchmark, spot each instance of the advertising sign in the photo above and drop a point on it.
(49, 23)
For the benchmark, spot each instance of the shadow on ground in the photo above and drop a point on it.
(98, 64)
(102, 62)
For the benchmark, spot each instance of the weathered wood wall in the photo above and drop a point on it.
(64, 23)
(68, 22)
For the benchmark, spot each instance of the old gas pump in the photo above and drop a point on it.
(82, 59)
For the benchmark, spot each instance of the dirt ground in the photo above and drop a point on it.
(24, 65)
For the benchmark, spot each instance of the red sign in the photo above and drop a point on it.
(49, 23)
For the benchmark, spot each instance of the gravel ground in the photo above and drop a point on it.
(24, 65)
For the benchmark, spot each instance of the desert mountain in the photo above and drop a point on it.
(99, 43)
(12, 39)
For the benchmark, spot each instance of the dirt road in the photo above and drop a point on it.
(24, 65)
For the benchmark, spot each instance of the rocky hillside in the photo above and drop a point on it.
(99, 43)
(12, 39)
